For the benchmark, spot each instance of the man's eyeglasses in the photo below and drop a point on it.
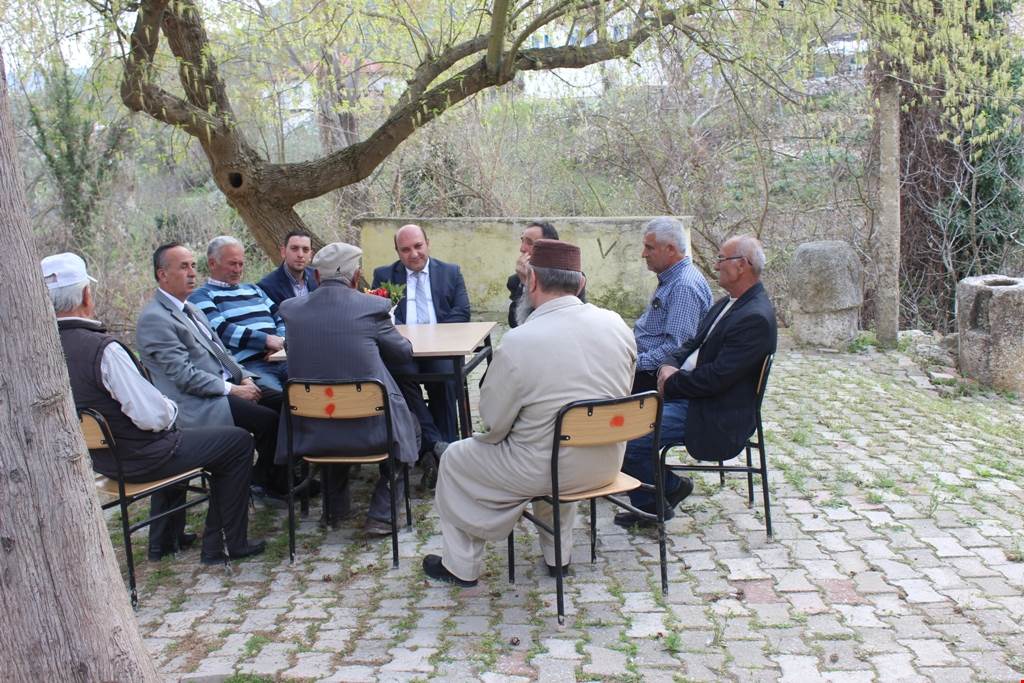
(729, 258)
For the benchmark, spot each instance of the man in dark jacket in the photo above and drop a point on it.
(336, 334)
(293, 277)
(531, 233)
(148, 446)
(710, 384)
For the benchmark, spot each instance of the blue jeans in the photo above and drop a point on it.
(271, 375)
(639, 461)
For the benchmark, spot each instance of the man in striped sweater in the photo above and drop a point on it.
(243, 316)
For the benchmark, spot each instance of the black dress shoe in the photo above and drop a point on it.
(185, 541)
(628, 519)
(684, 489)
(433, 568)
(248, 551)
(268, 498)
(552, 572)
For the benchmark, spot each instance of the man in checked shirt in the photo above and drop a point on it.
(676, 309)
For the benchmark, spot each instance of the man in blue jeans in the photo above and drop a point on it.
(709, 384)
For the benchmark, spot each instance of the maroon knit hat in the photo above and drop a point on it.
(556, 254)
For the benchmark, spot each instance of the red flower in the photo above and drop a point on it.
(380, 291)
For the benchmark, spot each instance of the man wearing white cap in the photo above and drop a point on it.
(106, 377)
(338, 333)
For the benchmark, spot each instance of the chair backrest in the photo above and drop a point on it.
(337, 400)
(762, 380)
(607, 421)
(95, 430)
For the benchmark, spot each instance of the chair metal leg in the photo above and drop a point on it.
(559, 588)
(659, 506)
(394, 514)
(512, 556)
(291, 513)
(128, 554)
(593, 530)
(750, 480)
(764, 489)
(408, 503)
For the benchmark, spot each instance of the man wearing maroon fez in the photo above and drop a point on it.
(562, 351)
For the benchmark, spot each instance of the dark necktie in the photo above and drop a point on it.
(227, 362)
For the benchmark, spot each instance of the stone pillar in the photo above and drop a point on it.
(825, 286)
(990, 323)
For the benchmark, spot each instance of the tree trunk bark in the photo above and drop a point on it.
(65, 610)
(887, 235)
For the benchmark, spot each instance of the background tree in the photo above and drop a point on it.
(457, 59)
(66, 614)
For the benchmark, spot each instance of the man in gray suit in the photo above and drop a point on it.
(190, 366)
(337, 333)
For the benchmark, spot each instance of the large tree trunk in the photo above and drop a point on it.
(65, 609)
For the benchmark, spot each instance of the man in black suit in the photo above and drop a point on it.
(710, 384)
(293, 277)
(435, 293)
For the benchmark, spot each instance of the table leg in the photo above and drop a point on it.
(465, 422)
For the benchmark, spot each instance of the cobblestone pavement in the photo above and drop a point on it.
(898, 555)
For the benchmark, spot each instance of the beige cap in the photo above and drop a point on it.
(337, 259)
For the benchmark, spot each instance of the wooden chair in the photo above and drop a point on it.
(598, 423)
(96, 433)
(314, 400)
(755, 442)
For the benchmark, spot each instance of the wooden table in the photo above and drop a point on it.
(455, 342)
(451, 341)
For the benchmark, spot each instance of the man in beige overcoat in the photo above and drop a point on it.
(564, 351)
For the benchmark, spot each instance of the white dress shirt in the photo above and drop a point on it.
(143, 403)
(204, 331)
(410, 297)
(691, 361)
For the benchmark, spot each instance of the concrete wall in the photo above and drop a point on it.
(487, 248)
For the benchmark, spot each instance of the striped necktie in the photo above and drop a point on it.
(227, 362)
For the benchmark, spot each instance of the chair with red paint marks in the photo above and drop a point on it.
(598, 423)
(350, 400)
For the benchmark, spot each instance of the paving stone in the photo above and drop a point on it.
(604, 662)
(931, 652)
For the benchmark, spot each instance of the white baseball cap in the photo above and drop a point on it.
(64, 270)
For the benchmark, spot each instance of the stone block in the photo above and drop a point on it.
(825, 285)
(990, 325)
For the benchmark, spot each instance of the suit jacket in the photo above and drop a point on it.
(447, 289)
(182, 364)
(278, 284)
(337, 334)
(721, 389)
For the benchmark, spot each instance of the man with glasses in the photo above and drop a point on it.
(709, 383)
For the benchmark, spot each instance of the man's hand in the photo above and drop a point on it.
(274, 343)
(521, 263)
(664, 372)
(246, 390)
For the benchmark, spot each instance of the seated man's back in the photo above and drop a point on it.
(562, 351)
